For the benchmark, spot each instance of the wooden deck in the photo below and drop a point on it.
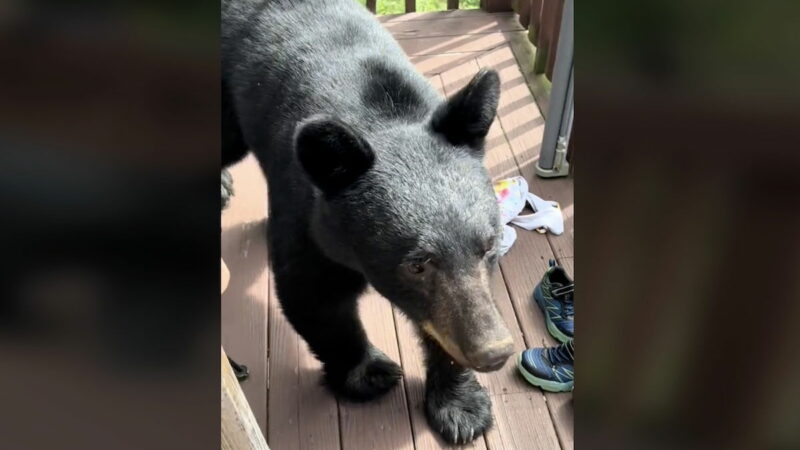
(292, 408)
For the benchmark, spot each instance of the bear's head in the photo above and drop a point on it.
(411, 206)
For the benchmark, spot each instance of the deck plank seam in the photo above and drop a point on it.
(450, 35)
(477, 53)
(441, 15)
(339, 421)
(266, 338)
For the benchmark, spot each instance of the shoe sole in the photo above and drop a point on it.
(547, 385)
(551, 326)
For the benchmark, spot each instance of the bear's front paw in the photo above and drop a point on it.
(460, 414)
(373, 377)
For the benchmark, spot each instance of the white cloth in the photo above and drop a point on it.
(512, 196)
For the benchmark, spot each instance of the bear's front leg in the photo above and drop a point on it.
(320, 299)
(456, 405)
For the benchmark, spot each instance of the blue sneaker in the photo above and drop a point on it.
(550, 368)
(554, 296)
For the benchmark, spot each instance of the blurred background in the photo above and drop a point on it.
(109, 129)
(688, 249)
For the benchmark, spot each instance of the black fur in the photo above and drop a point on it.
(387, 92)
(233, 145)
(332, 154)
(369, 170)
(465, 119)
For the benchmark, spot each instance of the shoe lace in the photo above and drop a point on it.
(568, 305)
(561, 354)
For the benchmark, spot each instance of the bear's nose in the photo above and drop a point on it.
(492, 357)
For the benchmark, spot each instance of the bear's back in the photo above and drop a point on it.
(290, 60)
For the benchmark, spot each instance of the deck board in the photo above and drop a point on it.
(303, 414)
(245, 303)
(437, 63)
(319, 412)
(458, 26)
(452, 44)
(285, 391)
(442, 15)
(383, 423)
(522, 422)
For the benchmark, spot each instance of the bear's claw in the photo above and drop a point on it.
(460, 414)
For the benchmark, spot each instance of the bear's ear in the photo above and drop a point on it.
(465, 118)
(332, 154)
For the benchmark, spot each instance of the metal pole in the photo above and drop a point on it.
(560, 94)
(569, 106)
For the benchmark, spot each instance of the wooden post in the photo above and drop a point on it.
(523, 8)
(452, 4)
(496, 5)
(371, 5)
(239, 428)
(411, 5)
(547, 37)
(551, 60)
(535, 21)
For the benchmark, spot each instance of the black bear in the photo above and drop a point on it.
(373, 178)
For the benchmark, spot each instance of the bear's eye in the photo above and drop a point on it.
(418, 266)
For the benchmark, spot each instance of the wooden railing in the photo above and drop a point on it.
(548, 67)
(486, 5)
(411, 5)
(542, 18)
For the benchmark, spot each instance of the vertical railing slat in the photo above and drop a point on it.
(550, 21)
(535, 21)
(371, 5)
(496, 5)
(411, 6)
(452, 4)
(523, 8)
(553, 44)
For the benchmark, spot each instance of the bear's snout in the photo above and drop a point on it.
(493, 356)
(482, 349)
(466, 323)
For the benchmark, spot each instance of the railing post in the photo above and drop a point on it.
(411, 6)
(552, 156)
(371, 5)
(523, 8)
(534, 23)
(546, 34)
(452, 4)
(496, 5)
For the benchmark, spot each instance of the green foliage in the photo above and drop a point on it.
(399, 6)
